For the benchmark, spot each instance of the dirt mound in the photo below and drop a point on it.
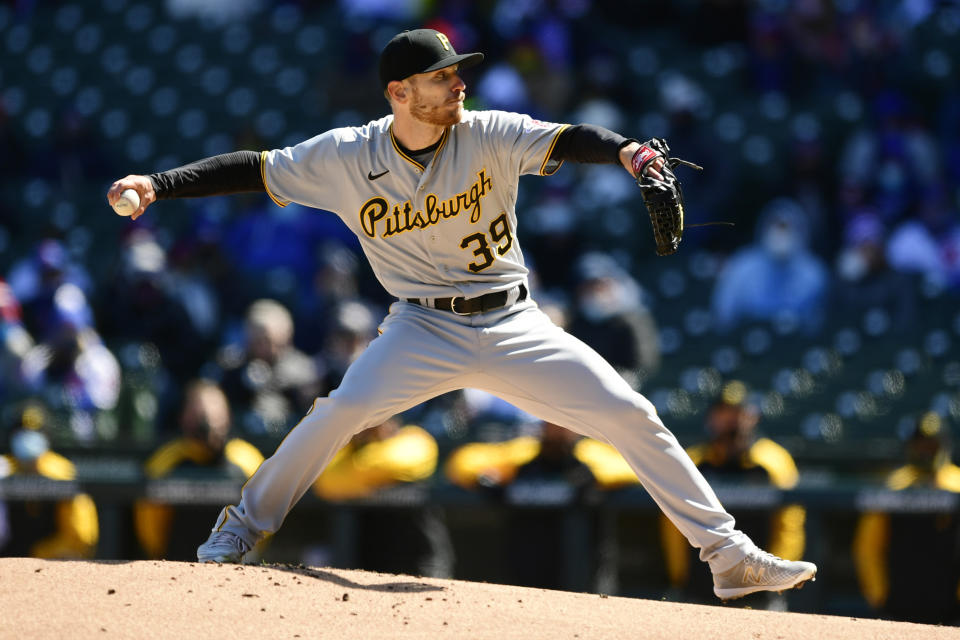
(44, 599)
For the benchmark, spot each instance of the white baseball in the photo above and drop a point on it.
(128, 203)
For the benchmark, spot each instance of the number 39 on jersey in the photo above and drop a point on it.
(500, 234)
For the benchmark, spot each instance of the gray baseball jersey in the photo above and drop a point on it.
(449, 229)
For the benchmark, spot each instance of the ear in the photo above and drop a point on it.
(397, 91)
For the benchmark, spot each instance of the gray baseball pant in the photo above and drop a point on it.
(518, 354)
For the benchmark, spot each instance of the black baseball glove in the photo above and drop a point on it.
(664, 198)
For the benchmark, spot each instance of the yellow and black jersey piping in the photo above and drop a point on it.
(548, 168)
(263, 175)
(396, 146)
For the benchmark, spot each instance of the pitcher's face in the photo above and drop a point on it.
(437, 96)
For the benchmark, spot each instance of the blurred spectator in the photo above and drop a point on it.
(776, 278)
(269, 382)
(497, 464)
(600, 111)
(204, 450)
(35, 279)
(502, 87)
(930, 243)
(274, 248)
(61, 529)
(908, 563)
(682, 102)
(551, 227)
(489, 417)
(811, 180)
(72, 372)
(893, 160)
(866, 283)
(735, 455)
(76, 158)
(537, 40)
(195, 267)
(15, 343)
(352, 329)
(411, 540)
(771, 58)
(142, 303)
(336, 280)
(610, 317)
(542, 477)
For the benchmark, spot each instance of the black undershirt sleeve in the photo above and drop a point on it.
(589, 143)
(235, 172)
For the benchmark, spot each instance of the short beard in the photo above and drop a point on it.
(433, 115)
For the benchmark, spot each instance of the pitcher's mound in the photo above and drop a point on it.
(48, 599)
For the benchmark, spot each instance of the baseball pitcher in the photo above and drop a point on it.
(430, 191)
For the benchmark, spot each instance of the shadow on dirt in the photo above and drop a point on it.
(328, 576)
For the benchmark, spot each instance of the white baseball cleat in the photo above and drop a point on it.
(762, 571)
(222, 547)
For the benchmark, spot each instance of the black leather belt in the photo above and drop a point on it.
(469, 306)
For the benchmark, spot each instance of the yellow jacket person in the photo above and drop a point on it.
(908, 564)
(735, 455)
(62, 529)
(204, 451)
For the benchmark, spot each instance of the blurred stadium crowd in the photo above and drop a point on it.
(830, 134)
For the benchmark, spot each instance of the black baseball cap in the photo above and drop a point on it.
(420, 51)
